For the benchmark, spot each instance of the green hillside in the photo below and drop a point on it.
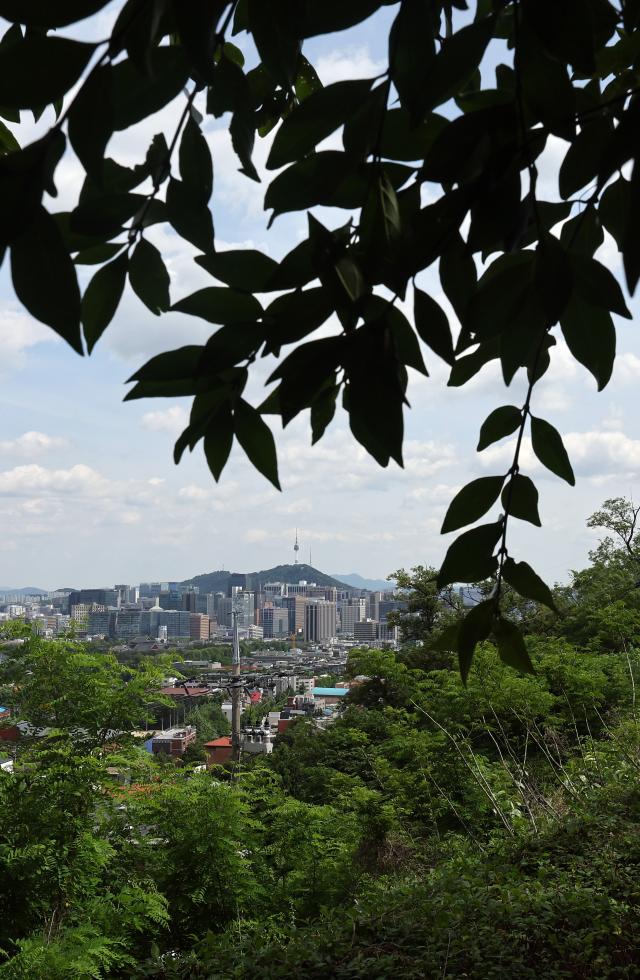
(217, 581)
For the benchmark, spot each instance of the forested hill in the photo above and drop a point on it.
(217, 581)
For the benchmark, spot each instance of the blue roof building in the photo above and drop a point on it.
(330, 692)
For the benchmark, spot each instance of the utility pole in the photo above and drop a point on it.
(236, 692)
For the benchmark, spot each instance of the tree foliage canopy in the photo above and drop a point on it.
(438, 167)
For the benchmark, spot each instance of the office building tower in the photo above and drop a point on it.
(200, 626)
(352, 611)
(319, 620)
(275, 622)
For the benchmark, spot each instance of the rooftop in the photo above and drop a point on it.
(330, 692)
(217, 742)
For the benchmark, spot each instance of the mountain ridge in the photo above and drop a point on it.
(292, 574)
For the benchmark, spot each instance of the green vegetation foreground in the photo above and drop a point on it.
(434, 830)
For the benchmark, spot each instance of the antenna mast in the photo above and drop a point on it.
(236, 690)
(296, 549)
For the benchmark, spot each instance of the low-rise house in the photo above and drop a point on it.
(326, 696)
(174, 741)
(219, 750)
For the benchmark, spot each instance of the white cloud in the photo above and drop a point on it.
(172, 420)
(604, 453)
(31, 444)
(24, 480)
(18, 333)
(343, 64)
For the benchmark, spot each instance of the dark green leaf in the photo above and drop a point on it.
(466, 367)
(403, 141)
(549, 448)
(218, 304)
(521, 577)
(8, 142)
(157, 159)
(38, 70)
(138, 95)
(335, 15)
(196, 23)
(376, 393)
(470, 557)
(458, 274)
(411, 62)
(500, 423)
(101, 299)
(458, 59)
(323, 409)
(304, 374)
(474, 628)
(472, 502)
(380, 217)
(583, 234)
(104, 216)
(91, 120)
(614, 209)
(218, 440)
(244, 269)
(547, 89)
(583, 158)
(171, 365)
(242, 131)
(46, 14)
(630, 243)
(149, 277)
(520, 499)
(553, 277)
(295, 315)
(511, 646)
(44, 277)
(196, 167)
(271, 26)
(256, 438)
(432, 325)
(315, 119)
(307, 81)
(597, 285)
(190, 216)
(97, 254)
(591, 338)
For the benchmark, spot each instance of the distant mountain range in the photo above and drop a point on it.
(292, 574)
(26, 590)
(372, 584)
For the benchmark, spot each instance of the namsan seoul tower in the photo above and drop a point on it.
(296, 549)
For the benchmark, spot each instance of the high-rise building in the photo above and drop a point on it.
(131, 623)
(243, 604)
(352, 611)
(365, 631)
(200, 626)
(275, 622)
(190, 600)
(205, 604)
(224, 610)
(373, 605)
(295, 605)
(102, 623)
(319, 620)
(103, 597)
(170, 599)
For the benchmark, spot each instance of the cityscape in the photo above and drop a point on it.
(304, 606)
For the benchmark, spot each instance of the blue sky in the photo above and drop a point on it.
(88, 490)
